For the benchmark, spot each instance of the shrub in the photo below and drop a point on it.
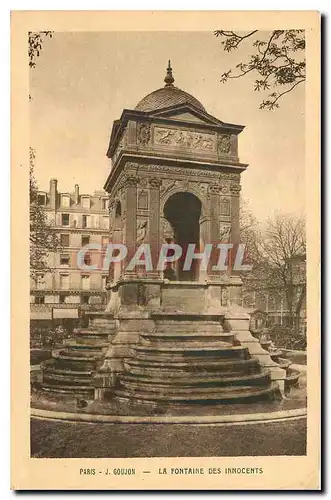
(285, 337)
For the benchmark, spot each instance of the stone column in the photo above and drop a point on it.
(235, 224)
(235, 209)
(154, 222)
(236, 289)
(130, 228)
(214, 234)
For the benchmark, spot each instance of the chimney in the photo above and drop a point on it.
(76, 194)
(53, 192)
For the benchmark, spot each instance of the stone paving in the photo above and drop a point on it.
(56, 439)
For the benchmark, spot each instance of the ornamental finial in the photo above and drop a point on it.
(169, 79)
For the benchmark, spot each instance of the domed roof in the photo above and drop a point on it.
(167, 96)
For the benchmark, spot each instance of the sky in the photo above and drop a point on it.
(83, 81)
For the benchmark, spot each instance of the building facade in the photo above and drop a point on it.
(67, 291)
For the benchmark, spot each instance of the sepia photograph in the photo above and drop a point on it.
(167, 247)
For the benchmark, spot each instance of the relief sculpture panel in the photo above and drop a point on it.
(185, 139)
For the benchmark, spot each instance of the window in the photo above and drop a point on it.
(85, 200)
(64, 281)
(104, 282)
(104, 241)
(86, 221)
(104, 203)
(85, 299)
(40, 282)
(65, 240)
(41, 199)
(39, 299)
(85, 239)
(62, 298)
(64, 259)
(65, 219)
(85, 282)
(105, 222)
(65, 200)
(87, 259)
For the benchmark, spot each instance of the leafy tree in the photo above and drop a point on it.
(43, 238)
(277, 61)
(36, 40)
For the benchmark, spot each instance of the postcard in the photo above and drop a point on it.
(165, 250)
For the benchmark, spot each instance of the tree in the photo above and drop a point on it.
(36, 40)
(283, 243)
(277, 61)
(43, 238)
(279, 246)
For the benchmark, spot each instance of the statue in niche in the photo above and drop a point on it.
(141, 230)
(143, 133)
(225, 232)
(168, 232)
(224, 144)
(225, 296)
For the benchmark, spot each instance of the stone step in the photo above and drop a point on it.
(191, 382)
(204, 368)
(198, 356)
(240, 394)
(86, 344)
(82, 391)
(201, 350)
(189, 327)
(49, 367)
(74, 355)
(66, 379)
(196, 392)
(110, 323)
(186, 344)
(187, 336)
(76, 366)
(92, 332)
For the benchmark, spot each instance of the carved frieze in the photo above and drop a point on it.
(131, 181)
(223, 144)
(203, 187)
(167, 186)
(155, 183)
(235, 188)
(225, 188)
(214, 189)
(143, 133)
(184, 139)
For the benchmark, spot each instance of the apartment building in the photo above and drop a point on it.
(67, 291)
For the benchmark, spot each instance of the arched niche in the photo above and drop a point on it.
(182, 210)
